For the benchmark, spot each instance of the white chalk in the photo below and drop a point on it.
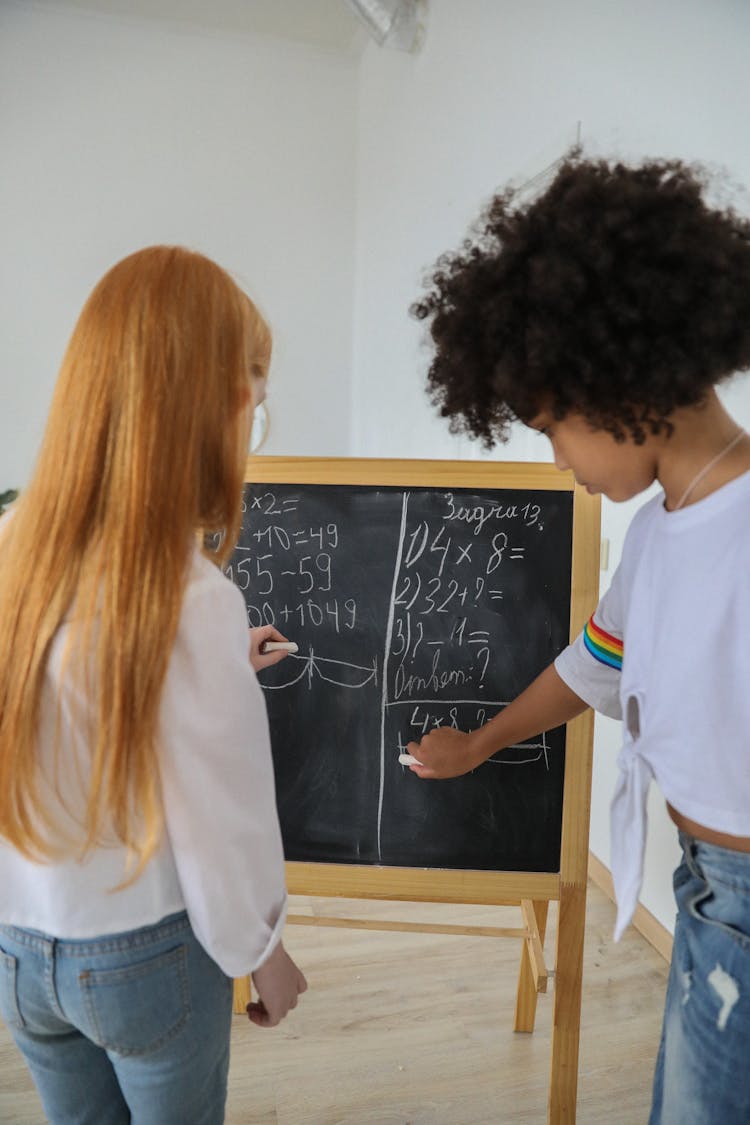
(279, 646)
(408, 760)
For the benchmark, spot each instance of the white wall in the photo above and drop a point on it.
(496, 94)
(116, 133)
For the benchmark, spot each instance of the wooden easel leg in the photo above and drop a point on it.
(242, 995)
(527, 986)
(566, 1011)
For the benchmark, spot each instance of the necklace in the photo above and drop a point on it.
(707, 468)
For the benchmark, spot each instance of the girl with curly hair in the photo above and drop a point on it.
(603, 314)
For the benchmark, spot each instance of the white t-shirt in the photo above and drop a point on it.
(221, 857)
(677, 620)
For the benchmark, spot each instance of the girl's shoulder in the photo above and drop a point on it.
(202, 569)
(643, 522)
(728, 506)
(209, 594)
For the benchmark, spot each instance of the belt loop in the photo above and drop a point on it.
(685, 844)
(690, 849)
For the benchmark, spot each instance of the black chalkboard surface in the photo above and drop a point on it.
(413, 607)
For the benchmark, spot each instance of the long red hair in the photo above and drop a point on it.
(144, 448)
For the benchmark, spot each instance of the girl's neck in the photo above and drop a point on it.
(702, 435)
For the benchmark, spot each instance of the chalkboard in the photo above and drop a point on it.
(413, 607)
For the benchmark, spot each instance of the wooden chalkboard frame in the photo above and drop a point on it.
(531, 891)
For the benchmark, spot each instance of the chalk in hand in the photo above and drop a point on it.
(408, 760)
(278, 646)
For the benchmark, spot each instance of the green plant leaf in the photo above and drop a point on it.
(7, 497)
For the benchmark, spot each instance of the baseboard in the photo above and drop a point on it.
(643, 920)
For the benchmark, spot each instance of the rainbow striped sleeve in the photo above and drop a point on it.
(603, 646)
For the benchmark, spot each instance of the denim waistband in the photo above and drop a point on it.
(730, 865)
(168, 927)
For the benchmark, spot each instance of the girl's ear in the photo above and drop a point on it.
(259, 385)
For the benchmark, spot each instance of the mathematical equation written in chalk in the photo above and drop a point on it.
(412, 609)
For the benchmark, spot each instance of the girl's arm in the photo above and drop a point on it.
(591, 667)
(546, 703)
(279, 984)
(218, 782)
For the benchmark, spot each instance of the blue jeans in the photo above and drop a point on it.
(130, 1027)
(703, 1067)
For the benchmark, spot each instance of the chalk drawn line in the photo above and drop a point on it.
(312, 665)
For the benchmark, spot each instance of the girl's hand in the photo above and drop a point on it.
(257, 639)
(279, 984)
(445, 753)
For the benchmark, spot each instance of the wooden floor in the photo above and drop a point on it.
(416, 1029)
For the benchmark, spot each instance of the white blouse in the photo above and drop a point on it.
(221, 856)
(677, 620)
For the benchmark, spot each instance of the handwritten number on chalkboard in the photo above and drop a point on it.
(323, 563)
(332, 609)
(434, 583)
(496, 557)
(262, 571)
(304, 572)
(452, 591)
(269, 499)
(316, 613)
(436, 546)
(404, 636)
(242, 566)
(414, 552)
(418, 545)
(419, 723)
(401, 597)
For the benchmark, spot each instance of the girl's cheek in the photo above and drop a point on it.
(560, 460)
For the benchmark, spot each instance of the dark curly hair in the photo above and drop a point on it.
(618, 293)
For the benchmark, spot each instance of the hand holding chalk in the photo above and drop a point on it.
(408, 760)
(444, 752)
(268, 647)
